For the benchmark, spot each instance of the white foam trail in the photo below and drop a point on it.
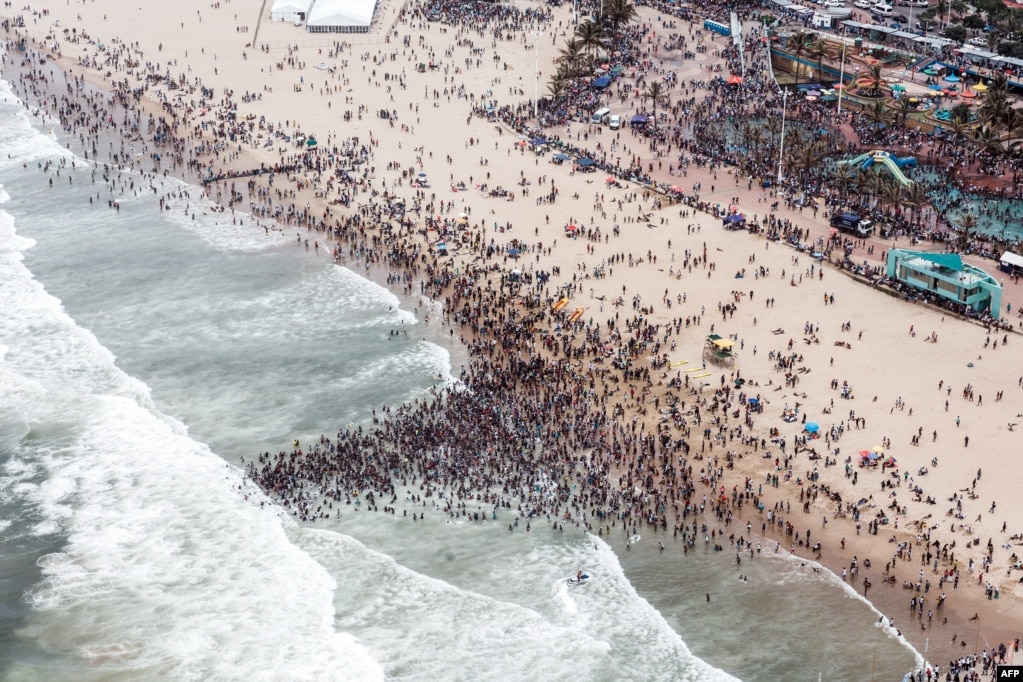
(791, 574)
(167, 570)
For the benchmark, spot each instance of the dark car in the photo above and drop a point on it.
(901, 18)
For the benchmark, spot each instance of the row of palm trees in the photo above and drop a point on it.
(578, 58)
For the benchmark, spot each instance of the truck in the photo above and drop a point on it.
(853, 224)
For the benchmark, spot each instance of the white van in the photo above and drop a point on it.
(599, 115)
(615, 122)
(883, 10)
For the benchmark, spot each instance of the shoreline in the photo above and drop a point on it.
(708, 224)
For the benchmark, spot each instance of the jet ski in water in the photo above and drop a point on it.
(579, 579)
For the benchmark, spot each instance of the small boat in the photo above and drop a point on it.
(581, 579)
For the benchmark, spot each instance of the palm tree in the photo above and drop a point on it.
(967, 223)
(556, 86)
(876, 112)
(657, 94)
(959, 130)
(818, 48)
(1013, 124)
(915, 198)
(797, 43)
(988, 140)
(619, 13)
(905, 106)
(591, 36)
(571, 56)
(873, 81)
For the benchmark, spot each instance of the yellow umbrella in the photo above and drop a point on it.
(980, 87)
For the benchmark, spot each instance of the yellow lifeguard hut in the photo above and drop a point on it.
(719, 350)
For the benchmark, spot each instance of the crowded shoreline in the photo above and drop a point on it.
(632, 425)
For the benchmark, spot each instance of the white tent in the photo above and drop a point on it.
(290, 10)
(341, 16)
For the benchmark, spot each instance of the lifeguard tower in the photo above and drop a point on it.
(719, 350)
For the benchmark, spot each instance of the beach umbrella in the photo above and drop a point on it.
(873, 456)
(877, 449)
(899, 87)
(967, 94)
(812, 427)
(585, 163)
(980, 87)
(610, 180)
(934, 86)
(513, 252)
(890, 461)
(952, 78)
(538, 141)
(734, 79)
(735, 218)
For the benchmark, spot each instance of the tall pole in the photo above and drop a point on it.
(781, 146)
(841, 75)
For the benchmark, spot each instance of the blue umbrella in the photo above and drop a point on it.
(602, 82)
(735, 218)
(584, 162)
(537, 141)
(812, 427)
(562, 157)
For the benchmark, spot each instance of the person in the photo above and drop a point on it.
(579, 577)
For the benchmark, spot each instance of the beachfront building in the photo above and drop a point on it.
(290, 10)
(946, 276)
(341, 16)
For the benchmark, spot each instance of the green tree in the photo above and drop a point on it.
(956, 33)
(967, 223)
(619, 13)
(591, 35)
(798, 43)
(656, 94)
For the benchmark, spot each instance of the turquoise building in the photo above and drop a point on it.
(947, 276)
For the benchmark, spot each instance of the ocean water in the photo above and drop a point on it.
(145, 353)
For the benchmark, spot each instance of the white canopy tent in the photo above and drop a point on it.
(290, 10)
(341, 16)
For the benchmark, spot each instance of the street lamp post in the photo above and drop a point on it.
(841, 75)
(781, 145)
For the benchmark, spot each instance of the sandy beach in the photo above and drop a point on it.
(928, 391)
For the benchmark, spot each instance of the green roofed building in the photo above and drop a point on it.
(947, 276)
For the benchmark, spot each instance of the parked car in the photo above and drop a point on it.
(901, 18)
(863, 4)
(978, 42)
